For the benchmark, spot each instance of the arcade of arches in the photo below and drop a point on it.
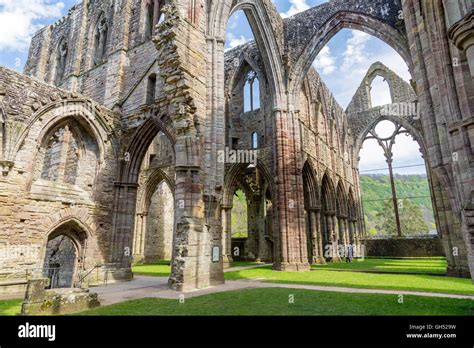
(130, 143)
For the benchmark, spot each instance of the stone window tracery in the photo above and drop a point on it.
(251, 92)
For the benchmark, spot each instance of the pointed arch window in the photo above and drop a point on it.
(68, 154)
(251, 92)
(100, 39)
(254, 140)
(153, 16)
(60, 63)
(151, 89)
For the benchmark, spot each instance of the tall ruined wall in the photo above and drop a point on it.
(59, 164)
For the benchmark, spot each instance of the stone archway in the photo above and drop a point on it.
(313, 214)
(259, 190)
(64, 254)
(308, 32)
(154, 222)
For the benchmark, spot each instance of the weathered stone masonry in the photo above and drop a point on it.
(103, 90)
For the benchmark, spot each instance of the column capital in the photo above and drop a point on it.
(461, 33)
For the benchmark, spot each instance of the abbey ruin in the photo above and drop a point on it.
(111, 141)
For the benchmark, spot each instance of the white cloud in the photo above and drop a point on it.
(297, 6)
(234, 41)
(19, 20)
(355, 49)
(325, 63)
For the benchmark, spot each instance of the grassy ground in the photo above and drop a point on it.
(163, 269)
(12, 307)
(244, 264)
(349, 279)
(327, 275)
(276, 302)
(435, 265)
(159, 269)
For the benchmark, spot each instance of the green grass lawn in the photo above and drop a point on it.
(158, 269)
(349, 279)
(435, 265)
(327, 275)
(11, 307)
(244, 264)
(276, 302)
(163, 268)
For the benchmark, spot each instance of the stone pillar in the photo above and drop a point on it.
(139, 237)
(120, 257)
(346, 232)
(226, 222)
(293, 255)
(334, 238)
(317, 244)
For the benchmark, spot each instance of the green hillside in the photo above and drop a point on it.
(414, 204)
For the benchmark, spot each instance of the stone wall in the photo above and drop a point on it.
(397, 247)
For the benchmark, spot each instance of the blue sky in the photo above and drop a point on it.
(19, 19)
(342, 63)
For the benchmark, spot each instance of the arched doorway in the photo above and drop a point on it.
(64, 255)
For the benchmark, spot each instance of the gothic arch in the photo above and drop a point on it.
(231, 180)
(328, 194)
(259, 18)
(58, 64)
(156, 178)
(78, 234)
(351, 205)
(101, 26)
(138, 145)
(311, 188)
(48, 116)
(246, 63)
(310, 31)
(341, 199)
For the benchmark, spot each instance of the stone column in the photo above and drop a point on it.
(334, 238)
(226, 221)
(293, 255)
(346, 231)
(120, 256)
(139, 237)
(350, 231)
(317, 245)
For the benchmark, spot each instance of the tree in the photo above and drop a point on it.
(411, 219)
